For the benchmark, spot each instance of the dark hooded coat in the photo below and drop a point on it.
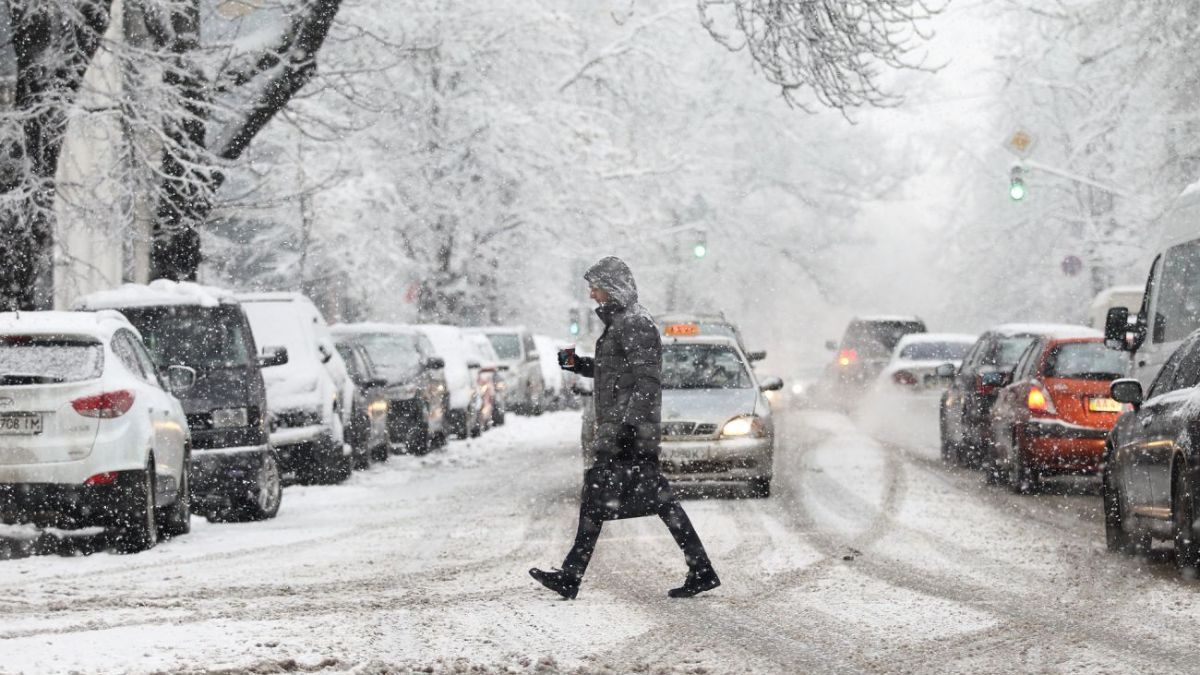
(627, 369)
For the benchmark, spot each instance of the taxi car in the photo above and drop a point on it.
(717, 425)
(685, 325)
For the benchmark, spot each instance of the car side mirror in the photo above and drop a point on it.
(946, 371)
(831, 345)
(1116, 328)
(1126, 390)
(771, 384)
(473, 364)
(325, 352)
(435, 363)
(756, 356)
(273, 356)
(503, 367)
(180, 379)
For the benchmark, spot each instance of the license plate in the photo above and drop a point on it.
(1107, 405)
(681, 455)
(20, 424)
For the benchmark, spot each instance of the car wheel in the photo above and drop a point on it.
(136, 521)
(477, 429)
(1116, 538)
(340, 467)
(1183, 516)
(760, 488)
(951, 452)
(380, 452)
(418, 440)
(177, 519)
(498, 417)
(262, 502)
(1021, 478)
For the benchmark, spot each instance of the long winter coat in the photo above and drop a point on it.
(627, 369)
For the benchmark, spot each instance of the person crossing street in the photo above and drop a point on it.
(625, 481)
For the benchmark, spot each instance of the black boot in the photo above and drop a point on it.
(562, 583)
(698, 581)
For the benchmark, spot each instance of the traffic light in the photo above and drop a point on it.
(573, 322)
(700, 247)
(1016, 184)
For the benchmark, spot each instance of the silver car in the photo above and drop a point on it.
(717, 425)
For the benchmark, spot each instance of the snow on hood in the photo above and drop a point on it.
(157, 292)
(715, 406)
(611, 274)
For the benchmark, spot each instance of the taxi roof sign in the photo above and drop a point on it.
(681, 329)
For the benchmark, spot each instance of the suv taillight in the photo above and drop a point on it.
(846, 357)
(1038, 401)
(107, 405)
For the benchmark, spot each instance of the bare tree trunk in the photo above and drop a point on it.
(54, 43)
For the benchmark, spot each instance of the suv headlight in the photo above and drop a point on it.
(745, 425)
(226, 418)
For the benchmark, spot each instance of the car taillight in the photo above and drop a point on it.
(904, 378)
(846, 357)
(1037, 400)
(107, 405)
(105, 478)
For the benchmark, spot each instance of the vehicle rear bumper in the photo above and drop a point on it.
(59, 504)
(1061, 447)
(224, 472)
(741, 459)
(320, 451)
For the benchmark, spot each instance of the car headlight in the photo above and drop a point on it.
(746, 425)
(225, 418)
(377, 408)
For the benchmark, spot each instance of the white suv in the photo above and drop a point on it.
(89, 434)
(311, 397)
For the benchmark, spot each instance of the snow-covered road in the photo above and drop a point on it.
(869, 558)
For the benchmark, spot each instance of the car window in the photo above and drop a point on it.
(1164, 380)
(703, 367)
(122, 346)
(1178, 310)
(1027, 364)
(507, 346)
(971, 360)
(1008, 351)
(204, 338)
(1187, 372)
(1085, 361)
(42, 359)
(147, 363)
(878, 338)
(353, 365)
(527, 340)
(934, 351)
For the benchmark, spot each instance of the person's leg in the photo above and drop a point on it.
(677, 521)
(576, 562)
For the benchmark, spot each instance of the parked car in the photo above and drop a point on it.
(235, 471)
(309, 397)
(491, 379)
(464, 398)
(864, 351)
(902, 404)
(1151, 465)
(367, 432)
(1170, 305)
(90, 433)
(554, 395)
(416, 382)
(965, 410)
(523, 380)
(1056, 414)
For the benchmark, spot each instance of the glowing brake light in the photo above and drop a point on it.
(107, 405)
(904, 378)
(106, 478)
(846, 357)
(1037, 401)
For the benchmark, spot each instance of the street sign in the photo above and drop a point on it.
(1020, 143)
(1072, 265)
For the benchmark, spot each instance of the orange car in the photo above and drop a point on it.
(1054, 416)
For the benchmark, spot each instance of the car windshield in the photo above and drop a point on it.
(507, 346)
(1086, 361)
(49, 359)
(204, 338)
(934, 351)
(395, 355)
(878, 338)
(703, 367)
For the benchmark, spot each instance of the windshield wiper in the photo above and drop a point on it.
(29, 378)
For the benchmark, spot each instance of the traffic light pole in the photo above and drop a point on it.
(1027, 164)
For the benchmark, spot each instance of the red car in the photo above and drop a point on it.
(1055, 415)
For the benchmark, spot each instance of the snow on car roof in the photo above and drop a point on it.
(157, 292)
(936, 337)
(496, 329)
(701, 339)
(101, 324)
(273, 296)
(887, 317)
(372, 327)
(1052, 329)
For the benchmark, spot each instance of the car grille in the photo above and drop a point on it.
(202, 421)
(686, 429)
(708, 465)
(297, 418)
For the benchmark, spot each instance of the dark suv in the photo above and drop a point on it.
(965, 411)
(864, 351)
(235, 472)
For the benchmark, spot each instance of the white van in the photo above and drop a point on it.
(1170, 303)
(311, 397)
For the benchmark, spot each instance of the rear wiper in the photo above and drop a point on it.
(29, 378)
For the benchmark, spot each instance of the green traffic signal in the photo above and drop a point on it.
(574, 328)
(1016, 189)
(700, 250)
